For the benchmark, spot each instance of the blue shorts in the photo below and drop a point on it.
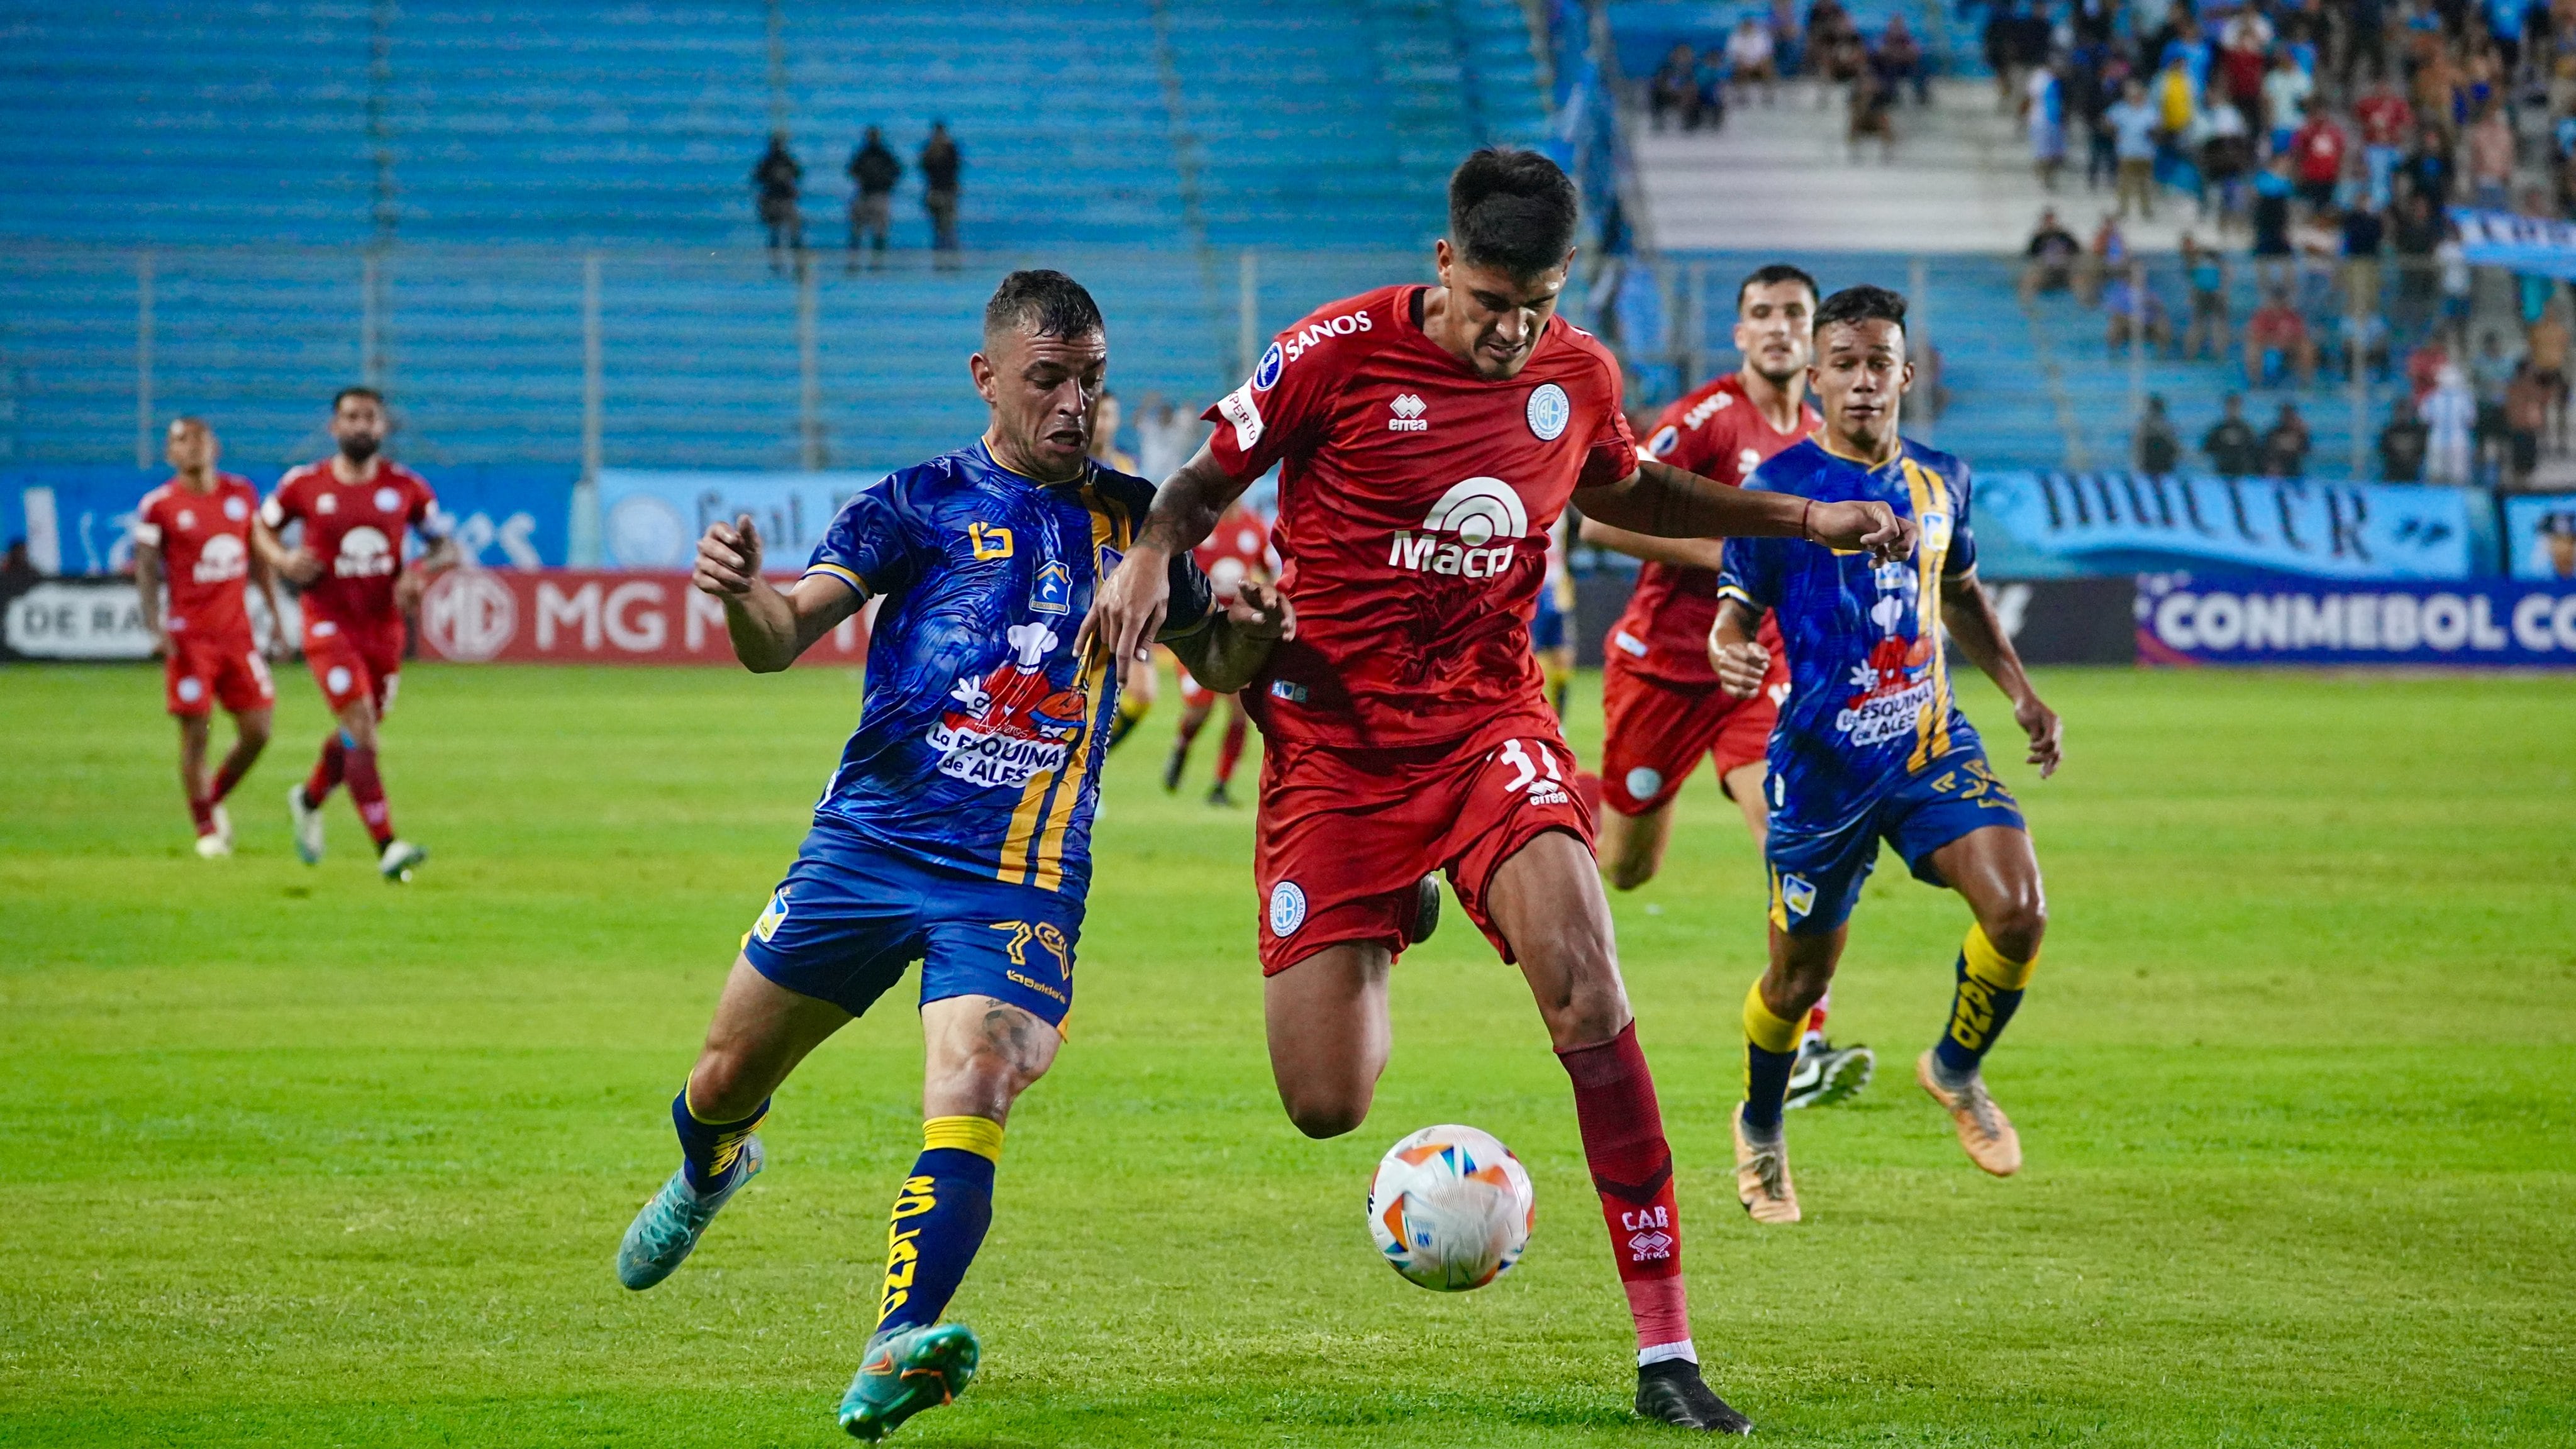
(851, 915)
(1547, 626)
(1817, 873)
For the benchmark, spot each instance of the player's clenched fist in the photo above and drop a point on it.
(1740, 667)
(1862, 526)
(1128, 610)
(728, 558)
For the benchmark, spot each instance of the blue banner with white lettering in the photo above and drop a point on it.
(2540, 536)
(2535, 244)
(2271, 619)
(2043, 524)
(73, 518)
(651, 519)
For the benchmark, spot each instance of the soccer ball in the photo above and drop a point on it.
(1451, 1208)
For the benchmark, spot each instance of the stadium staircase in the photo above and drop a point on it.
(302, 195)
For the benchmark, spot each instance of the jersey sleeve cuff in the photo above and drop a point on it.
(1736, 592)
(848, 576)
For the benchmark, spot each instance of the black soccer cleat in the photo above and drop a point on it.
(1673, 1392)
(1172, 765)
(1426, 910)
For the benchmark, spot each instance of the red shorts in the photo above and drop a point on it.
(205, 670)
(352, 664)
(1654, 733)
(1344, 835)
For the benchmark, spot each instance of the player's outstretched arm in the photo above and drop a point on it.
(1970, 617)
(1128, 610)
(768, 628)
(1236, 643)
(1664, 501)
(1734, 652)
(1689, 553)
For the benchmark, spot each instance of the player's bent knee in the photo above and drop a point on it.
(2016, 929)
(1322, 1117)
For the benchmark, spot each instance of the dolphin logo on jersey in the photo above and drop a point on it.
(1013, 723)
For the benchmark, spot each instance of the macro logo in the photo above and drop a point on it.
(364, 553)
(1408, 417)
(223, 558)
(1458, 534)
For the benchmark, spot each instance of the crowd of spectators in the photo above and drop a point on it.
(778, 178)
(1694, 86)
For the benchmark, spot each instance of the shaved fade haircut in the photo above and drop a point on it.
(1861, 304)
(1044, 304)
(1772, 276)
(1512, 209)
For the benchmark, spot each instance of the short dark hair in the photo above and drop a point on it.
(1046, 303)
(1512, 209)
(1863, 303)
(1772, 276)
(356, 389)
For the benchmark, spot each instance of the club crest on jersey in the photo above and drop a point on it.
(772, 916)
(1474, 513)
(1053, 591)
(1012, 724)
(1797, 894)
(1936, 531)
(1408, 410)
(1266, 375)
(1287, 908)
(236, 510)
(1549, 412)
(387, 500)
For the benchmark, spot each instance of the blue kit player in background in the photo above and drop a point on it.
(1871, 745)
(956, 831)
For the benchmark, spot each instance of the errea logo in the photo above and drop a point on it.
(1476, 512)
(1408, 417)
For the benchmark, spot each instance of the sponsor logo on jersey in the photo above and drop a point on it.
(989, 542)
(1238, 408)
(364, 553)
(1287, 908)
(1408, 417)
(1307, 336)
(1266, 375)
(1666, 439)
(1011, 724)
(1629, 644)
(1475, 513)
(1893, 686)
(1549, 412)
(223, 559)
(1052, 593)
(1708, 407)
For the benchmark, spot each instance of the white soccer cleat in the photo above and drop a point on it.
(308, 825)
(215, 844)
(399, 857)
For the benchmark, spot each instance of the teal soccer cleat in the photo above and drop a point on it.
(662, 1235)
(905, 1372)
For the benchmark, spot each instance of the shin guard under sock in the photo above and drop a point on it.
(1632, 1169)
(1989, 992)
(939, 1219)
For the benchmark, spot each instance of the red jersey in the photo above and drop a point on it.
(1415, 499)
(2320, 144)
(357, 531)
(2385, 120)
(204, 539)
(1238, 548)
(1719, 434)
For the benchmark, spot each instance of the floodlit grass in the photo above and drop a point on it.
(292, 1157)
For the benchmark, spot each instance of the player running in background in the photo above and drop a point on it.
(957, 830)
(201, 532)
(357, 508)
(1552, 623)
(1661, 705)
(1872, 746)
(1239, 549)
(1406, 727)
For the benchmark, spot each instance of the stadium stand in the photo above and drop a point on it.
(301, 195)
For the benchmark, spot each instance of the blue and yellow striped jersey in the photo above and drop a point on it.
(980, 732)
(1869, 692)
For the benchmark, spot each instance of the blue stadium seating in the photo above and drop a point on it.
(260, 154)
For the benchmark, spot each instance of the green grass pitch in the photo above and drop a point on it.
(291, 1157)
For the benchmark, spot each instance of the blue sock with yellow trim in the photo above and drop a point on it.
(939, 1219)
(708, 1150)
(1770, 1051)
(1989, 992)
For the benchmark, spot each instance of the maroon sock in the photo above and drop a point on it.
(327, 770)
(367, 791)
(1632, 1169)
(236, 765)
(201, 809)
(1231, 753)
(1587, 785)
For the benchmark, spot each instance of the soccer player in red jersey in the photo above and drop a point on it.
(1428, 437)
(200, 532)
(357, 508)
(1660, 698)
(1239, 549)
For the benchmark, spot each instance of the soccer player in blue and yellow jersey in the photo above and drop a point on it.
(956, 831)
(1871, 745)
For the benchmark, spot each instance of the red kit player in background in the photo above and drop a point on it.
(1428, 437)
(356, 509)
(1660, 699)
(1239, 549)
(201, 533)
